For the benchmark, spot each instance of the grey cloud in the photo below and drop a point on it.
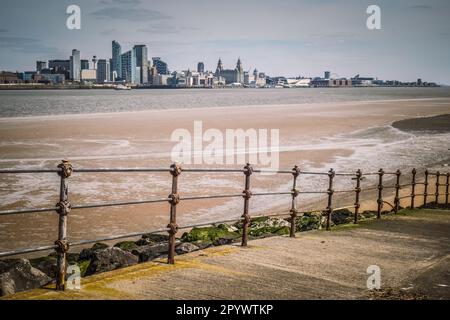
(164, 29)
(3, 30)
(23, 44)
(130, 14)
(421, 7)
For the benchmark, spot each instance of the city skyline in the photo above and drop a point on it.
(289, 39)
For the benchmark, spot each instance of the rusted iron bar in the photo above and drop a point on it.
(174, 199)
(397, 191)
(63, 209)
(295, 192)
(24, 211)
(357, 193)
(119, 170)
(330, 192)
(438, 176)
(447, 185)
(14, 171)
(413, 187)
(380, 193)
(23, 251)
(247, 194)
(425, 188)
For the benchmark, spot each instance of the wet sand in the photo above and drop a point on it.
(142, 139)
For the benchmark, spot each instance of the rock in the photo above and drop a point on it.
(202, 244)
(86, 254)
(222, 241)
(109, 259)
(126, 245)
(186, 247)
(343, 216)
(45, 264)
(264, 226)
(150, 252)
(227, 227)
(152, 238)
(209, 234)
(310, 221)
(18, 275)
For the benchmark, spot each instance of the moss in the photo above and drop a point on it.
(83, 265)
(268, 231)
(126, 245)
(99, 246)
(208, 234)
(309, 221)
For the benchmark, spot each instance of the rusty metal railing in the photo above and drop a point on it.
(64, 207)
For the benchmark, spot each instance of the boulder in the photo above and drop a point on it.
(18, 275)
(109, 259)
(210, 234)
(47, 264)
(87, 254)
(343, 216)
(126, 245)
(185, 247)
(150, 252)
(310, 221)
(265, 226)
(152, 238)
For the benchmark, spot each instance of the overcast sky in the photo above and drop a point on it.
(279, 37)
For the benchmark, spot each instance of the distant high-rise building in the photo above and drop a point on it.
(84, 64)
(327, 75)
(41, 65)
(59, 65)
(160, 65)
(116, 64)
(129, 66)
(142, 62)
(419, 82)
(103, 71)
(75, 65)
(201, 67)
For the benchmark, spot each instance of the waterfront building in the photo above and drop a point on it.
(116, 61)
(129, 66)
(84, 64)
(53, 78)
(320, 82)
(231, 75)
(160, 65)
(75, 65)
(10, 77)
(141, 63)
(59, 65)
(327, 75)
(40, 65)
(362, 81)
(103, 71)
(201, 67)
(88, 75)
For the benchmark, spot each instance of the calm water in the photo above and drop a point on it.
(57, 102)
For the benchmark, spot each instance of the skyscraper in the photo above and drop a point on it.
(129, 66)
(201, 67)
(103, 71)
(40, 65)
(160, 65)
(75, 65)
(142, 62)
(84, 64)
(327, 75)
(116, 65)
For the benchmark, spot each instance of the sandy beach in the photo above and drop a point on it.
(314, 136)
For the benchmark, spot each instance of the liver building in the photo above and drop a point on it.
(231, 76)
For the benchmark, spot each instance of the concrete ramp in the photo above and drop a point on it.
(411, 250)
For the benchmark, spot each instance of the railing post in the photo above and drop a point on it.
(397, 191)
(62, 208)
(413, 187)
(380, 193)
(425, 188)
(174, 199)
(447, 184)
(358, 192)
(438, 176)
(247, 194)
(330, 193)
(295, 193)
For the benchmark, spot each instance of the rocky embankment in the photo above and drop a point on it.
(22, 274)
